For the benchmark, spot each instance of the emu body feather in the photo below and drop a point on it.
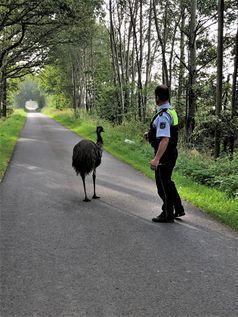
(87, 157)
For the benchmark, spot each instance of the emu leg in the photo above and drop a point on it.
(94, 185)
(84, 187)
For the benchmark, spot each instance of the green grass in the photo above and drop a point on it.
(210, 200)
(9, 133)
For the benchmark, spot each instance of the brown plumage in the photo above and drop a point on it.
(86, 158)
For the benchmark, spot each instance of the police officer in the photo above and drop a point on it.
(163, 136)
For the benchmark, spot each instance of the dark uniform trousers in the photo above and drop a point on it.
(166, 187)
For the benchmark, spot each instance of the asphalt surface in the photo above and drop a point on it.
(62, 257)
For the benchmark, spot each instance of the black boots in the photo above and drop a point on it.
(162, 217)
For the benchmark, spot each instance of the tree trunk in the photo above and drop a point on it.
(3, 93)
(115, 62)
(148, 61)
(166, 77)
(4, 97)
(137, 48)
(120, 61)
(234, 102)
(140, 84)
(74, 89)
(182, 62)
(162, 45)
(127, 70)
(133, 84)
(190, 120)
(219, 74)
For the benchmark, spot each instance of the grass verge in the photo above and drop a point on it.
(9, 133)
(210, 200)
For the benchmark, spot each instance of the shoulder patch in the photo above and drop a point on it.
(162, 125)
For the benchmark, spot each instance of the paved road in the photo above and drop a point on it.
(63, 257)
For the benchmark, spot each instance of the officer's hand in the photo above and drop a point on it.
(153, 164)
(146, 136)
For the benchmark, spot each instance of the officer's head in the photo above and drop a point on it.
(161, 94)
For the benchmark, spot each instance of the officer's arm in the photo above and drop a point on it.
(161, 149)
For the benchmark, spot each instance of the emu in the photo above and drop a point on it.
(86, 158)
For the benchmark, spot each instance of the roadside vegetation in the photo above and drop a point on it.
(10, 128)
(218, 196)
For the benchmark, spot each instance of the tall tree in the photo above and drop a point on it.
(162, 42)
(192, 54)
(219, 74)
(234, 103)
(115, 63)
(234, 99)
(182, 66)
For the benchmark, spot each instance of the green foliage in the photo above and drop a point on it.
(207, 52)
(208, 123)
(52, 82)
(9, 131)
(207, 8)
(82, 71)
(58, 101)
(106, 105)
(220, 174)
(29, 90)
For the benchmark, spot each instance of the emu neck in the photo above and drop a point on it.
(99, 140)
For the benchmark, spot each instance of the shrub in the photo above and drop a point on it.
(220, 174)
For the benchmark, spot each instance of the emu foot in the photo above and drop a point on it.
(95, 196)
(86, 199)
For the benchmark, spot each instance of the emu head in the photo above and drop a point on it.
(99, 129)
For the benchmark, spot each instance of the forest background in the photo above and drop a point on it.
(101, 60)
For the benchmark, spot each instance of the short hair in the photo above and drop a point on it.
(162, 92)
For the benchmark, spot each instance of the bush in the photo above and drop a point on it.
(220, 174)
